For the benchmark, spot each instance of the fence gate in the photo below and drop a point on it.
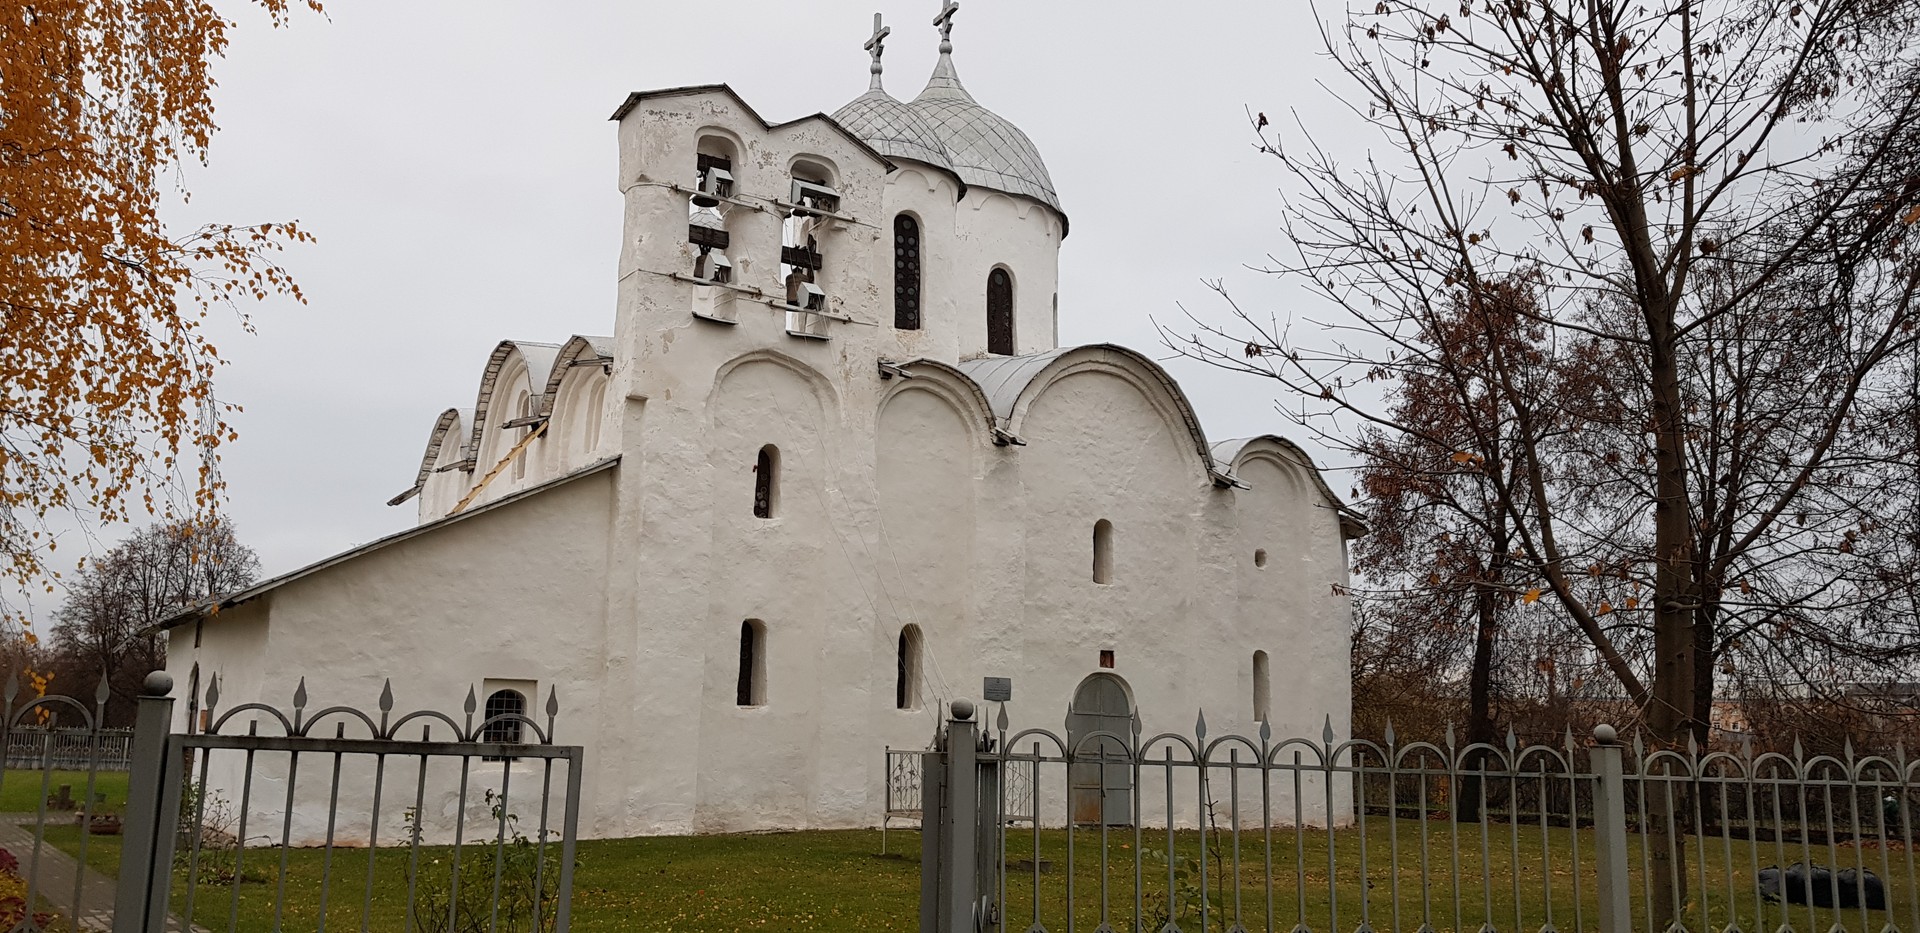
(264, 819)
(1230, 833)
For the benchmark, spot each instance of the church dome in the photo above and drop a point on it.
(985, 150)
(892, 128)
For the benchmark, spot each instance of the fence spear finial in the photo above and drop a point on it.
(1389, 733)
(1200, 726)
(386, 705)
(1326, 730)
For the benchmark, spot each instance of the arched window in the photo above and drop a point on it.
(906, 676)
(999, 312)
(906, 273)
(766, 482)
(1262, 687)
(504, 703)
(1103, 551)
(751, 689)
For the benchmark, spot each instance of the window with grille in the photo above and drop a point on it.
(1000, 312)
(504, 731)
(906, 273)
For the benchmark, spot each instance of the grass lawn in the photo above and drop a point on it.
(834, 881)
(21, 788)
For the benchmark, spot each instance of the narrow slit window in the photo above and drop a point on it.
(1103, 551)
(906, 675)
(906, 273)
(766, 482)
(1000, 312)
(751, 688)
(1262, 687)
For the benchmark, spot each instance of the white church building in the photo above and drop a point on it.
(830, 470)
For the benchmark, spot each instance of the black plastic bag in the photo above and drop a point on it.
(1799, 885)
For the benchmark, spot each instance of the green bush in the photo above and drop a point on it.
(462, 900)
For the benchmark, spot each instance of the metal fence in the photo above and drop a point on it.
(1199, 832)
(903, 778)
(68, 748)
(271, 818)
(54, 896)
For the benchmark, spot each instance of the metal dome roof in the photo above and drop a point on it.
(984, 149)
(892, 128)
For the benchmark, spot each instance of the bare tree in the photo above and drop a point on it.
(1715, 199)
(106, 626)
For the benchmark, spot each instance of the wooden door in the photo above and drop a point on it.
(1101, 779)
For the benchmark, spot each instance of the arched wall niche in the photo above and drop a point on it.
(952, 387)
(1145, 376)
(823, 391)
(533, 362)
(579, 409)
(502, 403)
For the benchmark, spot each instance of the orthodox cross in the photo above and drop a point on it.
(945, 22)
(876, 47)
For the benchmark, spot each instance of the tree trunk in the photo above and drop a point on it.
(1670, 710)
(1466, 805)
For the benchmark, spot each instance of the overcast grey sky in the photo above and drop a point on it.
(455, 160)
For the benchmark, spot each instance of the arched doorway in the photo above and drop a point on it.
(1101, 781)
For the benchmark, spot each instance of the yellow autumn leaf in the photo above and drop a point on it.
(1533, 596)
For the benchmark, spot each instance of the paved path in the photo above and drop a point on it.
(52, 874)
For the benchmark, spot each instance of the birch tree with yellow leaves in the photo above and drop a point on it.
(107, 405)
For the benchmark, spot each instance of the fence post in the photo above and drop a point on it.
(1610, 832)
(933, 796)
(142, 882)
(955, 901)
